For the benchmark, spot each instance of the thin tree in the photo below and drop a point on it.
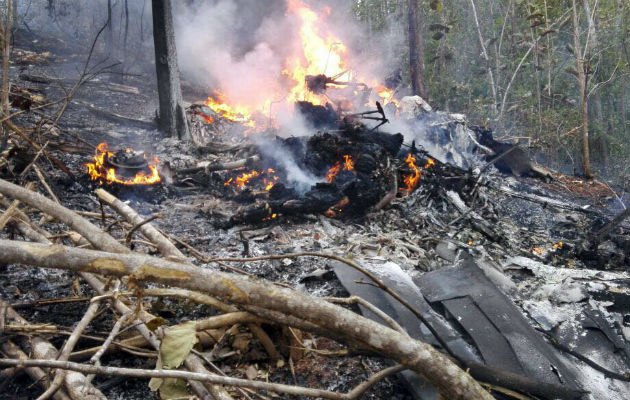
(6, 54)
(172, 116)
(582, 75)
(416, 49)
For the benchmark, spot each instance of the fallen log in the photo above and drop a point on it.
(207, 167)
(121, 119)
(419, 357)
(75, 383)
(36, 373)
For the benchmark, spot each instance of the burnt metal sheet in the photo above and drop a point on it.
(356, 284)
(527, 349)
(483, 333)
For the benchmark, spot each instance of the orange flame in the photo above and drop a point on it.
(411, 181)
(235, 113)
(319, 52)
(348, 165)
(244, 178)
(99, 170)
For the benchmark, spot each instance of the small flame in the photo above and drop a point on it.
(244, 179)
(348, 165)
(336, 209)
(411, 180)
(99, 170)
(558, 245)
(385, 94)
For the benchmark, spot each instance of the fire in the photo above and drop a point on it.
(269, 178)
(236, 112)
(348, 165)
(386, 94)
(319, 53)
(411, 180)
(101, 170)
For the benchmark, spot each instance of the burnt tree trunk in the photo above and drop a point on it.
(172, 116)
(416, 50)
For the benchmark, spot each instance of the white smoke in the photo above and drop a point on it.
(241, 47)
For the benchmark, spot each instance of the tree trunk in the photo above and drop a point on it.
(112, 47)
(172, 117)
(6, 55)
(583, 86)
(416, 50)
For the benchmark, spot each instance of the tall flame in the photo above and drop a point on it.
(321, 53)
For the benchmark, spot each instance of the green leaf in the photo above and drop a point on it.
(177, 343)
(436, 5)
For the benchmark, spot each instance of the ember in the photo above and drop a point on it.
(125, 167)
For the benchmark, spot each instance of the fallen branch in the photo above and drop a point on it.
(67, 349)
(35, 373)
(215, 379)
(420, 357)
(38, 148)
(167, 249)
(103, 241)
(206, 166)
(75, 383)
(121, 119)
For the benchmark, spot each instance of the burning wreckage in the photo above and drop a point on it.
(517, 274)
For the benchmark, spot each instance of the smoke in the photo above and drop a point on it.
(245, 47)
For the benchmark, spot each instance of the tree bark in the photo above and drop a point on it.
(583, 87)
(172, 115)
(484, 53)
(416, 49)
(6, 55)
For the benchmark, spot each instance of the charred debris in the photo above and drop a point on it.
(516, 274)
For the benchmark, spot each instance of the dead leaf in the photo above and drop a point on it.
(177, 343)
(174, 389)
(251, 373)
(155, 323)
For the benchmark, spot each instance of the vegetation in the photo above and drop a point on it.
(549, 73)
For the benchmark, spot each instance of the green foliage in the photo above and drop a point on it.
(543, 99)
